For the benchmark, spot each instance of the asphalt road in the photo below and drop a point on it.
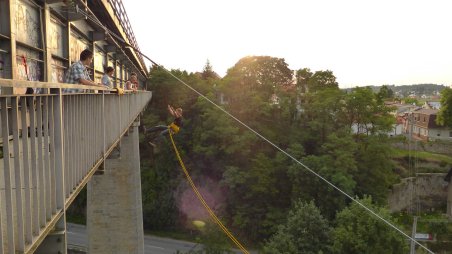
(77, 237)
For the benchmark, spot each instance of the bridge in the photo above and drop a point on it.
(53, 143)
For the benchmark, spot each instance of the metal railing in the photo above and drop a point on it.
(52, 145)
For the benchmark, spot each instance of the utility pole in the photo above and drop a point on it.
(413, 235)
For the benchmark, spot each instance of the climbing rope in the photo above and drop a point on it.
(203, 202)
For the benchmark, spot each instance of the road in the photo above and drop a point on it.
(76, 236)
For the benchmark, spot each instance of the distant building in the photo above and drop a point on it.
(432, 105)
(422, 125)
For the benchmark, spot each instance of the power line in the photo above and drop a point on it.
(261, 136)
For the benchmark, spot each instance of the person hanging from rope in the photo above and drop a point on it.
(174, 127)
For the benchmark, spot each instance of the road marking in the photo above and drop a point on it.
(155, 247)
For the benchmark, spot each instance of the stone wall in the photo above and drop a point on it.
(442, 147)
(423, 192)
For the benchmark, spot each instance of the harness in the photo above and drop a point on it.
(174, 128)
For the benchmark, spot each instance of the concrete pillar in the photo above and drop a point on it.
(114, 211)
(55, 241)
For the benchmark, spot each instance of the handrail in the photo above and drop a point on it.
(39, 84)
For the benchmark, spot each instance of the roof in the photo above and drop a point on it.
(426, 111)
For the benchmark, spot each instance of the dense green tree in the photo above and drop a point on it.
(445, 113)
(385, 93)
(208, 73)
(305, 231)
(366, 113)
(359, 232)
(322, 80)
(256, 195)
(375, 168)
(257, 73)
(322, 115)
(337, 165)
(303, 76)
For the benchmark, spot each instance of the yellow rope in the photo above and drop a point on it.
(198, 194)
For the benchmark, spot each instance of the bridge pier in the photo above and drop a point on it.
(55, 241)
(114, 210)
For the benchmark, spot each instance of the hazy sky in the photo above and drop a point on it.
(363, 42)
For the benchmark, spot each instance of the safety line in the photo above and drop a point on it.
(258, 134)
(200, 197)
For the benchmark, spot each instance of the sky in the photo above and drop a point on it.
(363, 42)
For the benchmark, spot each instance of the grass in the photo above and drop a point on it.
(425, 156)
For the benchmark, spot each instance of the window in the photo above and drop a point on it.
(450, 134)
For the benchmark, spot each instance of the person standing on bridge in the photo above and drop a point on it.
(132, 84)
(106, 79)
(78, 73)
(174, 127)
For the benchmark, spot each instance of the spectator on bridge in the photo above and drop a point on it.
(106, 79)
(174, 127)
(132, 84)
(78, 73)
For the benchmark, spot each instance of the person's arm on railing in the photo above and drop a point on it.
(88, 82)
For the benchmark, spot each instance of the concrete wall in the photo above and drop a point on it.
(114, 210)
(422, 192)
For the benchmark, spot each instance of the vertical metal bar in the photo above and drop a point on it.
(72, 147)
(81, 139)
(88, 128)
(2, 246)
(34, 165)
(51, 115)
(104, 131)
(7, 178)
(66, 129)
(20, 243)
(47, 183)
(26, 169)
(40, 161)
(59, 153)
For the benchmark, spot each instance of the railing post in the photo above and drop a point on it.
(8, 202)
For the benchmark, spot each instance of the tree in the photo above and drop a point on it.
(385, 93)
(262, 73)
(256, 195)
(337, 164)
(359, 232)
(445, 113)
(208, 72)
(367, 113)
(305, 231)
(375, 168)
(303, 76)
(322, 80)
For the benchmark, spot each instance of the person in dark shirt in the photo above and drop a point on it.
(174, 127)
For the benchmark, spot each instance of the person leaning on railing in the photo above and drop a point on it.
(78, 74)
(106, 79)
(132, 84)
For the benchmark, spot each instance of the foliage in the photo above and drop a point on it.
(385, 93)
(305, 231)
(322, 80)
(445, 112)
(259, 183)
(412, 101)
(359, 232)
